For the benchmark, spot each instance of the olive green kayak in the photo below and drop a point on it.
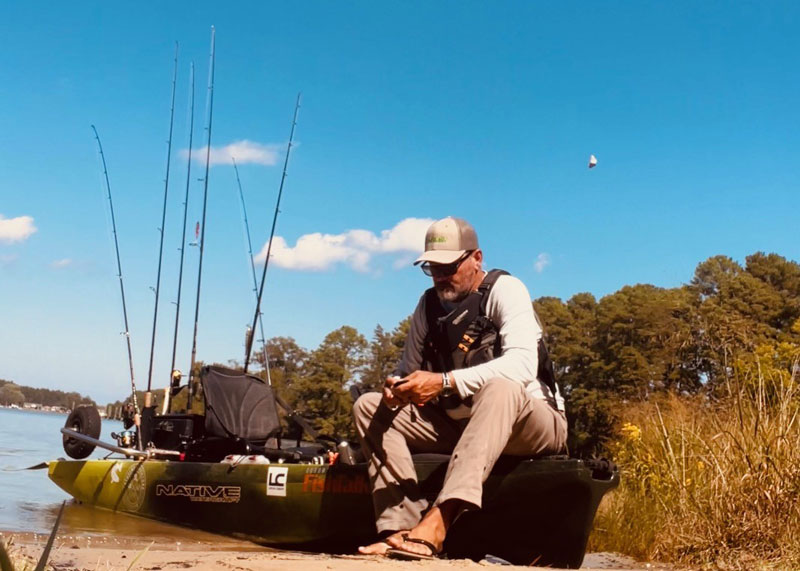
(534, 510)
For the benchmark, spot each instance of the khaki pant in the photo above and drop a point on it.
(504, 419)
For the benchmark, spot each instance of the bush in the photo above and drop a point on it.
(712, 482)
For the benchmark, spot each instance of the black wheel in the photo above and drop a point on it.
(86, 420)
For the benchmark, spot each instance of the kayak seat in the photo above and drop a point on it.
(240, 414)
(238, 405)
(241, 417)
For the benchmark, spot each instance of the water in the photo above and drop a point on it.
(29, 501)
(28, 497)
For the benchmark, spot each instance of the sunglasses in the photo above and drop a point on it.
(444, 270)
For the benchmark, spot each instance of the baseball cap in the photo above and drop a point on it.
(447, 240)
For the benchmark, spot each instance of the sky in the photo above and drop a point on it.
(410, 112)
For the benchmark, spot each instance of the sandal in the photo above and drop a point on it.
(405, 555)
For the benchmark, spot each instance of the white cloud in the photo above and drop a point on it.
(16, 229)
(62, 263)
(407, 236)
(542, 261)
(243, 151)
(404, 261)
(353, 248)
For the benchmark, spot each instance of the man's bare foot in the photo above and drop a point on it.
(381, 547)
(426, 539)
(429, 533)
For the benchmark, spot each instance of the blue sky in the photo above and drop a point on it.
(411, 111)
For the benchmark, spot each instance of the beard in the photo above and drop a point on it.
(447, 292)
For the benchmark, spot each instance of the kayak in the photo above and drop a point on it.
(534, 510)
(229, 472)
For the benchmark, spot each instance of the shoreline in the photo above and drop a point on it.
(36, 410)
(208, 551)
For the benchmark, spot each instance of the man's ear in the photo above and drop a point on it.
(478, 255)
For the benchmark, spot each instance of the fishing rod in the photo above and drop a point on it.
(137, 416)
(147, 395)
(203, 227)
(252, 267)
(173, 381)
(272, 234)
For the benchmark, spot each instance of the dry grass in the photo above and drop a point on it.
(11, 559)
(712, 484)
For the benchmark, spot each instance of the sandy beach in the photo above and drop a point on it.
(216, 552)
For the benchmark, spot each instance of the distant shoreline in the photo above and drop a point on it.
(36, 410)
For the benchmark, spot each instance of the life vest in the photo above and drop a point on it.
(466, 336)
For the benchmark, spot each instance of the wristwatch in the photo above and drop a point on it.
(447, 384)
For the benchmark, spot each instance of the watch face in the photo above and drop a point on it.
(447, 384)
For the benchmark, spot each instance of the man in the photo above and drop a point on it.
(469, 383)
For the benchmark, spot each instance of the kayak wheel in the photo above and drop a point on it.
(86, 420)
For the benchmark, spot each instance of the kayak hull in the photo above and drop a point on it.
(534, 511)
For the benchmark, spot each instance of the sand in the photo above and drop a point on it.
(214, 552)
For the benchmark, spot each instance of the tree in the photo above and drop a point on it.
(645, 341)
(287, 361)
(385, 351)
(630, 344)
(321, 393)
(712, 277)
(783, 277)
(593, 417)
(740, 310)
(570, 334)
(10, 393)
(49, 397)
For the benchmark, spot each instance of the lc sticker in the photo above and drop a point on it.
(276, 480)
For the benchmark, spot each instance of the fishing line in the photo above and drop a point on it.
(183, 232)
(253, 268)
(126, 333)
(210, 112)
(147, 395)
(272, 232)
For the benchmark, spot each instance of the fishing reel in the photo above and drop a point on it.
(125, 439)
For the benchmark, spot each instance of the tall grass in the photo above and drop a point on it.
(11, 558)
(711, 482)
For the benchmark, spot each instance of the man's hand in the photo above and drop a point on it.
(419, 387)
(389, 396)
